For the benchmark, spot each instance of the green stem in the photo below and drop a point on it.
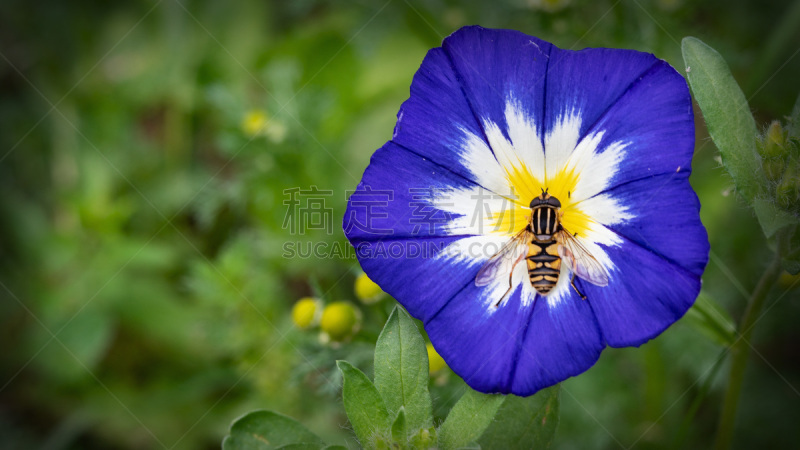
(741, 350)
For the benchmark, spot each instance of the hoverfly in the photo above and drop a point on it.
(543, 244)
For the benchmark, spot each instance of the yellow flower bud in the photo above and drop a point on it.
(435, 362)
(305, 312)
(254, 122)
(775, 140)
(367, 290)
(772, 148)
(340, 320)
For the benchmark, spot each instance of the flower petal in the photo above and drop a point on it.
(645, 295)
(433, 122)
(589, 81)
(493, 63)
(502, 75)
(563, 340)
(654, 118)
(397, 196)
(518, 348)
(666, 219)
(411, 270)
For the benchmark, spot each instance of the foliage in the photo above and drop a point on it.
(146, 296)
(396, 411)
(774, 193)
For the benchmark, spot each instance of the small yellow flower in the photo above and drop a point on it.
(340, 320)
(257, 123)
(305, 312)
(254, 122)
(367, 290)
(435, 362)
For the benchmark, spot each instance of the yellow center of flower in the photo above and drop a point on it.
(515, 215)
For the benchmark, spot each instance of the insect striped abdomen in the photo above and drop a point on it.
(544, 265)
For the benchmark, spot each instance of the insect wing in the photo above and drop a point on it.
(580, 260)
(502, 262)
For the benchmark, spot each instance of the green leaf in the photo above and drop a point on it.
(524, 422)
(82, 343)
(794, 120)
(399, 432)
(712, 320)
(468, 419)
(363, 405)
(772, 218)
(261, 430)
(401, 370)
(727, 115)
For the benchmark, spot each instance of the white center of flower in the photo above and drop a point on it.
(513, 171)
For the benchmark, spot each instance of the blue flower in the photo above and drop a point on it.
(495, 120)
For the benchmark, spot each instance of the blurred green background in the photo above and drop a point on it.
(144, 152)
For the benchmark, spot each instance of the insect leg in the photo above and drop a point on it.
(510, 276)
(572, 283)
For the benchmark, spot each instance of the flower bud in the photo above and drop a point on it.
(340, 320)
(254, 122)
(435, 362)
(425, 438)
(773, 151)
(788, 191)
(774, 141)
(367, 290)
(306, 312)
(773, 168)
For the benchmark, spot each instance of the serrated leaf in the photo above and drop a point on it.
(399, 432)
(401, 370)
(524, 422)
(262, 430)
(712, 320)
(727, 115)
(363, 405)
(468, 419)
(772, 218)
